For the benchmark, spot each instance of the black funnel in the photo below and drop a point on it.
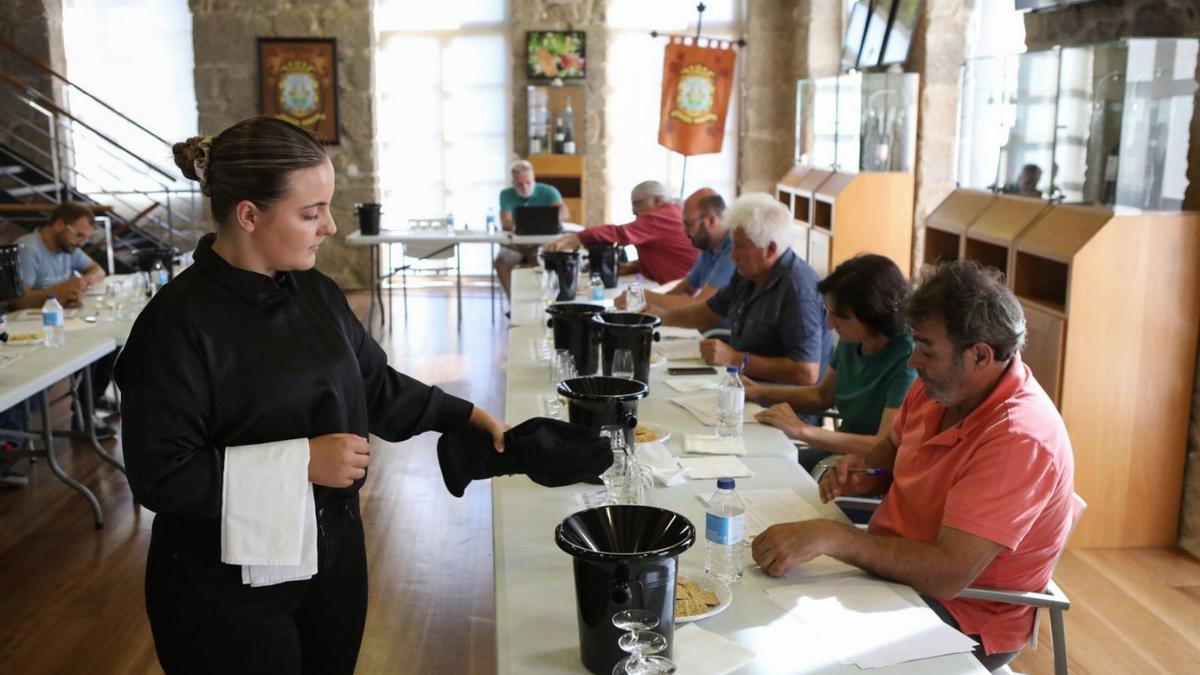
(625, 558)
(573, 332)
(603, 259)
(566, 265)
(599, 401)
(627, 330)
(368, 218)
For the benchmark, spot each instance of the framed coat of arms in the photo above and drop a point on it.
(298, 83)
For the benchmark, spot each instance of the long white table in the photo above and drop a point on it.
(536, 629)
(38, 369)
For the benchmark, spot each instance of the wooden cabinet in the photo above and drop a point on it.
(989, 239)
(1045, 332)
(945, 225)
(851, 213)
(564, 172)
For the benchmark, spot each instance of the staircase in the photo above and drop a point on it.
(49, 154)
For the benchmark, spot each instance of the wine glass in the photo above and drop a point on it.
(641, 643)
(550, 288)
(614, 477)
(635, 298)
(622, 365)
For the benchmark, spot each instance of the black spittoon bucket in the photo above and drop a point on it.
(146, 257)
(627, 330)
(603, 260)
(368, 218)
(566, 265)
(573, 332)
(599, 401)
(625, 557)
(10, 272)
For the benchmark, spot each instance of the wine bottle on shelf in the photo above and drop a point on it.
(535, 140)
(560, 136)
(1110, 175)
(568, 141)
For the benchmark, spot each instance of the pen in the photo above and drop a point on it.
(870, 472)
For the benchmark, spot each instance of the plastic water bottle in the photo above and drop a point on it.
(724, 530)
(449, 222)
(731, 399)
(490, 223)
(158, 276)
(596, 288)
(52, 323)
(636, 295)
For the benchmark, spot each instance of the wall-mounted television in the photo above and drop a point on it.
(905, 14)
(877, 28)
(860, 12)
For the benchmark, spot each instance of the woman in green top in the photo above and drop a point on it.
(867, 377)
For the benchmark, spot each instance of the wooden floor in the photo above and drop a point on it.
(71, 598)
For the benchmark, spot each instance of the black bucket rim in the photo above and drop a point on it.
(564, 388)
(559, 254)
(647, 325)
(569, 309)
(675, 549)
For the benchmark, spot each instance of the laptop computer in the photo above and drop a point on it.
(537, 220)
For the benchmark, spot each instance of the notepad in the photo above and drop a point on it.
(679, 350)
(705, 444)
(765, 508)
(677, 333)
(701, 652)
(691, 385)
(703, 407)
(720, 466)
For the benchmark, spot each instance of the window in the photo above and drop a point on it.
(634, 91)
(443, 113)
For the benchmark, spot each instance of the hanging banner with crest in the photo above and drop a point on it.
(697, 82)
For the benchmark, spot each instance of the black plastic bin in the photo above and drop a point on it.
(627, 330)
(603, 259)
(566, 265)
(368, 218)
(573, 331)
(599, 401)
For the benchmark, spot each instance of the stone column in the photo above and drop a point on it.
(938, 50)
(579, 15)
(35, 28)
(227, 85)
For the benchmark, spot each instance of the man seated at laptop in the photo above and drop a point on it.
(703, 222)
(776, 315)
(979, 475)
(664, 252)
(525, 191)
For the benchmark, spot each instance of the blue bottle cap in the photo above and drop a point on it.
(731, 369)
(725, 483)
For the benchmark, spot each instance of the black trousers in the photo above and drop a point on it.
(205, 621)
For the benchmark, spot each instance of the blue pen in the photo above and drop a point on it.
(870, 472)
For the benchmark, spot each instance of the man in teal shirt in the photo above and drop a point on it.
(525, 191)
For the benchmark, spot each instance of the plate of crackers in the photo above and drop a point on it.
(699, 596)
(645, 432)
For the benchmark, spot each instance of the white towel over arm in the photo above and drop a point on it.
(268, 515)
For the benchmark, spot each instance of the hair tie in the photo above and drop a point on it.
(200, 164)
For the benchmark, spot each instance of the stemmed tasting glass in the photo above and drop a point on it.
(623, 364)
(642, 644)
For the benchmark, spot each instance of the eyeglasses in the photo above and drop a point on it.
(79, 236)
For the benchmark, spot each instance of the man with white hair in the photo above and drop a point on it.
(525, 191)
(777, 319)
(664, 251)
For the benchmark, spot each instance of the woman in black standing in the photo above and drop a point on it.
(252, 345)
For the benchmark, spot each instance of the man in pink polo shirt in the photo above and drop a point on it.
(664, 251)
(978, 471)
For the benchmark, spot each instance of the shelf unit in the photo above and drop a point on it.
(852, 213)
(945, 225)
(989, 239)
(785, 192)
(564, 172)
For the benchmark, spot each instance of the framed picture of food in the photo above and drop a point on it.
(298, 83)
(555, 54)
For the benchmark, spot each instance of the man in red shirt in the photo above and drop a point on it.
(978, 470)
(664, 251)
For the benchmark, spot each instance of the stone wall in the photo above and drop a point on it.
(34, 27)
(1109, 20)
(224, 34)
(581, 15)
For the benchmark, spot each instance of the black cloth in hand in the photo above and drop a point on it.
(551, 452)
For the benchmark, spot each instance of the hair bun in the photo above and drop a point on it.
(186, 154)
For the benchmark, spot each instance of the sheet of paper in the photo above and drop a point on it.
(844, 610)
(691, 385)
(707, 444)
(679, 350)
(677, 333)
(821, 566)
(701, 652)
(720, 466)
(764, 508)
(703, 407)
